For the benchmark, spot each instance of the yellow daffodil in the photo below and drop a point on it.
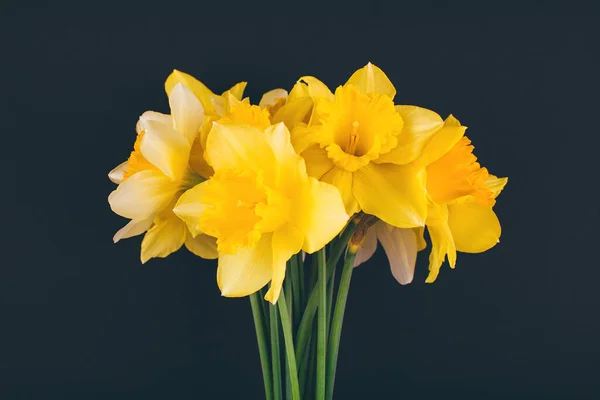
(360, 142)
(163, 164)
(261, 206)
(460, 216)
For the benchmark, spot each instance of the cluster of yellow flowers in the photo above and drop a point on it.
(252, 185)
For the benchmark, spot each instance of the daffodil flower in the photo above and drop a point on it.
(162, 165)
(261, 206)
(359, 141)
(460, 216)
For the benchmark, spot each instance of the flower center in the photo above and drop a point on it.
(136, 161)
(458, 174)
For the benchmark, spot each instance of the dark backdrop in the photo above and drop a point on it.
(82, 318)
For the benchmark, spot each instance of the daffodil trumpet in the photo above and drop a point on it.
(282, 191)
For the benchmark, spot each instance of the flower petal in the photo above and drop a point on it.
(189, 208)
(342, 179)
(475, 227)
(202, 245)
(420, 124)
(246, 271)
(239, 147)
(442, 243)
(116, 175)
(202, 93)
(317, 89)
(421, 243)
(371, 79)
(237, 90)
(400, 245)
(272, 97)
(287, 241)
(494, 184)
(320, 214)
(165, 237)
(133, 228)
(142, 195)
(442, 141)
(294, 112)
(367, 248)
(317, 162)
(187, 112)
(393, 193)
(164, 148)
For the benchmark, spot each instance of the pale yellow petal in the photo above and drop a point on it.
(343, 181)
(246, 271)
(202, 245)
(304, 137)
(317, 89)
(442, 243)
(294, 112)
(317, 162)
(367, 248)
(393, 193)
(371, 79)
(442, 141)
(321, 214)
(495, 184)
(272, 97)
(116, 175)
(204, 94)
(165, 148)
(287, 241)
(299, 90)
(238, 147)
(421, 243)
(133, 228)
(189, 208)
(420, 124)
(237, 90)
(187, 112)
(475, 227)
(291, 168)
(143, 194)
(400, 245)
(165, 237)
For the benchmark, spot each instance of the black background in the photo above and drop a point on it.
(82, 318)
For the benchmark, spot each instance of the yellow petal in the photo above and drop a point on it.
(371, 79)
(393, 193)
(421, 243)
(202, 245)
(442, 243)
(247, 270)
(294, 112)
(133, 228)
(142, 195)
(420, 124)
(475, 227)
(237, 90)
(320, 214)
(238, 147)
(287, 241)
(400, 245)
(291, 168)
(204, 94)
(300, 89)
(272, 97)
(442, 141)
(165, 237)
(317, 89)
(495, 184)
(342, 180)
(317, 162)
(116, 175)
(367, 248)
(164, 148)
(189, 208)
(187, 112)
(197, 162)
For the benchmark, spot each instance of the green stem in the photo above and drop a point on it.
(275, 357)
(305, 326)
(330, 285)
(261, 338)
(296, 292)
(321, 325)
(338, 319)
(287, 288)
(286, 324)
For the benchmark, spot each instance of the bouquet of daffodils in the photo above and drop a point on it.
(281, 191)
